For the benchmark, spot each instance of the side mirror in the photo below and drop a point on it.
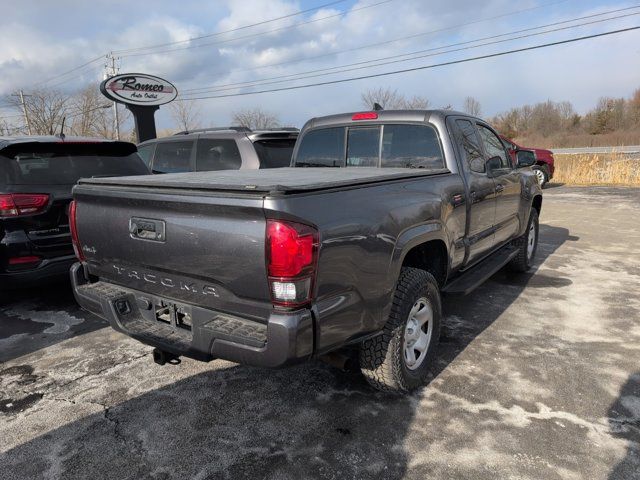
(494, 163)
(525, 158)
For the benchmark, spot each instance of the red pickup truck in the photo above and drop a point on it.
(543, 167)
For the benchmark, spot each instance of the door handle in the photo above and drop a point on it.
(499, 188)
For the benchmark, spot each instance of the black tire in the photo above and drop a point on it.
(542, 173)
(524, 259)
(382, 358)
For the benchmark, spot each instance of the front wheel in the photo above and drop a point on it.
(527, 245)
(398, 359)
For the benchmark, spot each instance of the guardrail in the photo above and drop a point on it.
(633, 149)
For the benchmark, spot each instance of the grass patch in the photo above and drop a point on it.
(597, 169)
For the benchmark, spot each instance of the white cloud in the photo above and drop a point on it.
(579, 73)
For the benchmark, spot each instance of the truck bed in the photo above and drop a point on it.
(275, 180)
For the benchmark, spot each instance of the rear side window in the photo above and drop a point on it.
(172, 157)
(412, 146)
(64, 164)
(363, 147)
(274, 153)
(468, 140)
(217, 154)
(322, 148)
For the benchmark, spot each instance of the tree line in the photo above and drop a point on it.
(86, 112)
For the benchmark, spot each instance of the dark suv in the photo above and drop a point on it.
(36, 177)
(228, 148)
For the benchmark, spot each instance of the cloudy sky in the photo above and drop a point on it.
(250, 45)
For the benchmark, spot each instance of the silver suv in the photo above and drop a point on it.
(228, 148)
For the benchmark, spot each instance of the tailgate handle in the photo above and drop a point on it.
(147, 229)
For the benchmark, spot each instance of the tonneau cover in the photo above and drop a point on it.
(274, 180)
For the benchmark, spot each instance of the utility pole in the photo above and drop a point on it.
(21, 95)
(112, 71)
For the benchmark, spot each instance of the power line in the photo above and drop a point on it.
(254, 35)
(424, 67)
(85, 73)
(93, 60)
(215, 34)
(70, 71)
(337, 69)
(408, 37)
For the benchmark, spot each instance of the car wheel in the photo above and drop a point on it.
(398, 359)
(541, 175)
(527, 245)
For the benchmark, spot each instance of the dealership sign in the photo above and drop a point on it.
(139, 89)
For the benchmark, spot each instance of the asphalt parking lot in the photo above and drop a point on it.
(538, 377)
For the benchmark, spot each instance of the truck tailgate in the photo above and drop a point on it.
(205, 250)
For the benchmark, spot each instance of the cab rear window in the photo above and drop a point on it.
(64, 164)
(401, 146)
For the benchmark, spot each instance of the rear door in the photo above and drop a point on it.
(482, 198)
(507, 185)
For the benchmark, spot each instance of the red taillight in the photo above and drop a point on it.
(73, 228)
(365, 116)
(291, 260)
(17, 204)
(23, 260)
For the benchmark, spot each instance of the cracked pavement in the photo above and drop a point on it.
(538, 376)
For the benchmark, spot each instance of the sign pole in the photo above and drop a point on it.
(145, 122)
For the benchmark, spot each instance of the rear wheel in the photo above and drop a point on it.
(527, 245)
(398, 359)
(542, 174)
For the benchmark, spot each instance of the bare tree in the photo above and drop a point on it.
(391, 99)
(472, 107)
(91, 114)
(255, 119)
(186, 115)
(46, 108)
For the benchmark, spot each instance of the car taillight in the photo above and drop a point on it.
(24, 260)
(18, 204)
(292, 251)
(73, 228)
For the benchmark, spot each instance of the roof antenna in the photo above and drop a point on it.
(62, 129)
(377, 106)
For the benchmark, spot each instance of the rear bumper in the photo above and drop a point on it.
(48, 271)
(286, 338)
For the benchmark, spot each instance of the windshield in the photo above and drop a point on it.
(401, 146)
(55, 164)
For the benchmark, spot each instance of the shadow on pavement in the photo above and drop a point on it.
(35, 318)
(624, 422)
(308, 421)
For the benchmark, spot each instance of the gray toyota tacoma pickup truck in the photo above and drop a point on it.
(273, 267)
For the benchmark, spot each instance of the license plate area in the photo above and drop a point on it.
(176, 315)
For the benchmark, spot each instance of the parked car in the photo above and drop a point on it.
(228, 148)
(544, 162)
(36, 177)
(272, 267)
